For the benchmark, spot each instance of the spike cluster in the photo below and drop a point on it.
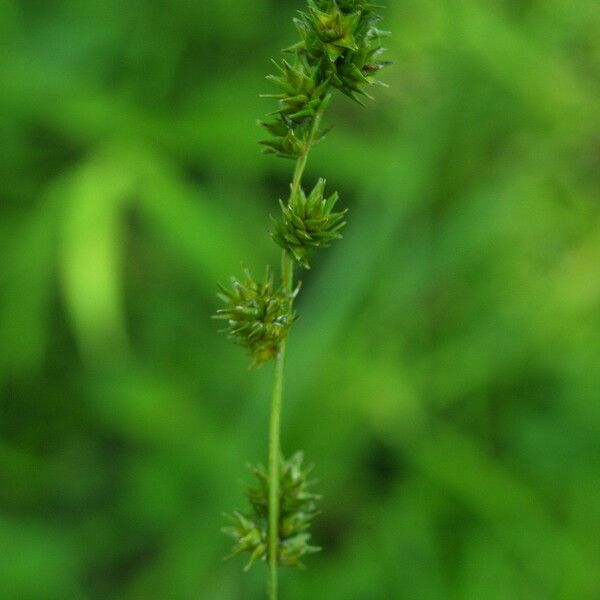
(298, 509)
(308, 223)
(340, 47)
(258, 316)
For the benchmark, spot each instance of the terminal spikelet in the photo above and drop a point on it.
(340, 47)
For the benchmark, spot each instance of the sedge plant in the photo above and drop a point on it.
(340, 48)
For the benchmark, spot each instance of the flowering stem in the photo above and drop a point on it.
(274, 458)
(340, 48)
(287, 279)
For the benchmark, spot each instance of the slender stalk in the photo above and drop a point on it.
(287, 279)
(274, 458)
(301, 162)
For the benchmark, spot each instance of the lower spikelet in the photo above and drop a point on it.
(298, 508)
(258, 316)
(308, 223)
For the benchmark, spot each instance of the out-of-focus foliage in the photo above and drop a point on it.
(444, 374)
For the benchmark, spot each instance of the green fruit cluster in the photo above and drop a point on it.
(258, 315)
(340, 47)
(308, 223)
(297, 510)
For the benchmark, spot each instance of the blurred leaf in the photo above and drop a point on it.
(26, 286)
(95, 198)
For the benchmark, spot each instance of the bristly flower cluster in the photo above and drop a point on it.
(258, 315)
(298, 509)
(308, 223)
(340, 47)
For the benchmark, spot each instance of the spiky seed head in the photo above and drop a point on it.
(308, 223)
(340, 47)
(258, 316)
(298, 508)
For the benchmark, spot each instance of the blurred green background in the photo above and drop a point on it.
(445, 373)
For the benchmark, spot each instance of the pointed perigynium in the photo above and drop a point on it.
(258, 315)
(340, 47)
(347, 33)
(301, 95)
(308, 223)
(289, 140)
(298, 508)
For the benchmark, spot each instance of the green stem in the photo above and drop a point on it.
(274, 458)
(287, 280)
